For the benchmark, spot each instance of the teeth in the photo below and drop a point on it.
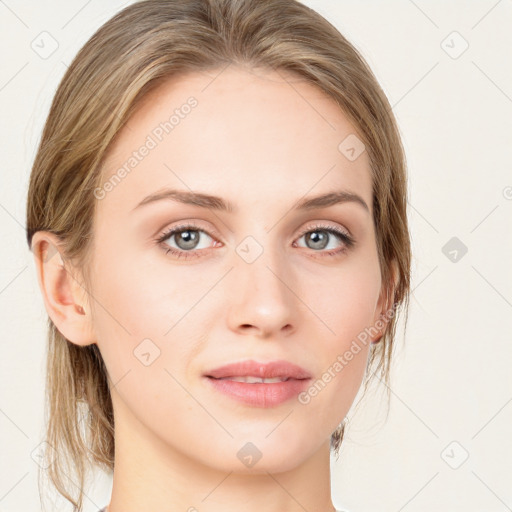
(253, 380)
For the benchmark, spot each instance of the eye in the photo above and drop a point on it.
(187, 239)
(320, 236)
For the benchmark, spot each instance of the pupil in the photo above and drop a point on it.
(319, 238)
(189, 239)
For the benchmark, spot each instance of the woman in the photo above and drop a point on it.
(217, 212)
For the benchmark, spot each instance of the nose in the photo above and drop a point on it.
(262, 301)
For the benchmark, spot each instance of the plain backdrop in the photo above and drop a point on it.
(446, 69)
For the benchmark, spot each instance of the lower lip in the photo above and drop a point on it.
(260, 394)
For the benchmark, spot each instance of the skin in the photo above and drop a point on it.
(262, 144)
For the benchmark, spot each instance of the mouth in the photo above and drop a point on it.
(259, 384)
(249, 379)
(268, 372)
(256, 391)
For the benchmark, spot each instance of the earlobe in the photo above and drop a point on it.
(385, 302)
(63, 295)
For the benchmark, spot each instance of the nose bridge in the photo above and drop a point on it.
(261, 296)
(260, 257)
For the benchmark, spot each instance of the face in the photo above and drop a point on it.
(260, 279)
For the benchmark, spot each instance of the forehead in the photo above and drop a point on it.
(244, 133)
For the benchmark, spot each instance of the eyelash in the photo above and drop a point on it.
(344, 237)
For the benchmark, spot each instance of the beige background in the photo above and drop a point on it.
(446, 444)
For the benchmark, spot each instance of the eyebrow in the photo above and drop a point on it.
(217, 203)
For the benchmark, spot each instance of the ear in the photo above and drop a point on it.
(385, 302)
(65, 298)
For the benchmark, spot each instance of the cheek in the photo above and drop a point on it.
(345, 303)
(139, 330)
(345, 298)
(139, 311)
(146, 295)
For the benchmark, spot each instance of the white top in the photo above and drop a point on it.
(105, 510)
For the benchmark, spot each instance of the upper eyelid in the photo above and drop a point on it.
(171, 231)
(320, 225)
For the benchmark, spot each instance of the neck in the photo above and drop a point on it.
(151, 475)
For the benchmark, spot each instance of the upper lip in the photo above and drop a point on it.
(264, 370)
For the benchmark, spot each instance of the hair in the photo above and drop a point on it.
(142, 46)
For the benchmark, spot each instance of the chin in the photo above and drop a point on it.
(259, 454)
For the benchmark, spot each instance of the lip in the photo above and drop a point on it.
(260, 394)
(264, 370)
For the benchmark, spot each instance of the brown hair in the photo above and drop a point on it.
(144, 44)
